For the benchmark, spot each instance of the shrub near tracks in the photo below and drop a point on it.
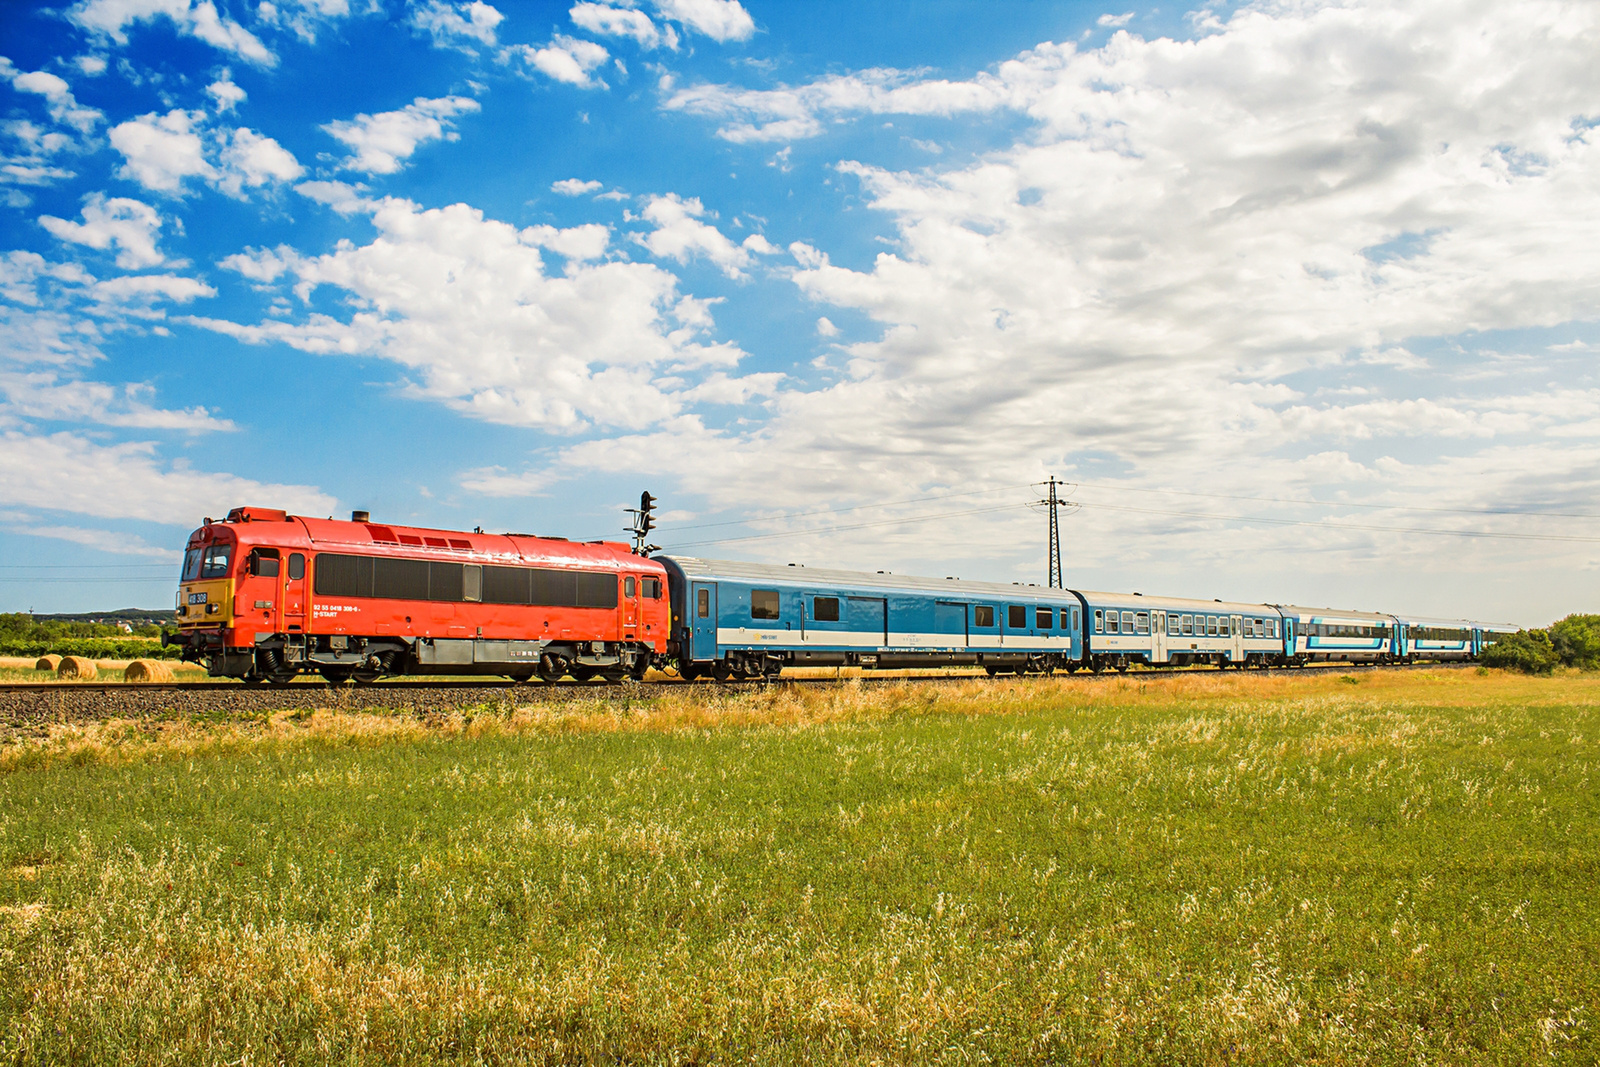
(1209, 869)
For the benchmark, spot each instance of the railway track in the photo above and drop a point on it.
(33, 704)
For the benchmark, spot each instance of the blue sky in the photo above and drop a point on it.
(1300, 298)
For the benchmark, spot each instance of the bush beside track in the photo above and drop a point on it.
(1572, 642)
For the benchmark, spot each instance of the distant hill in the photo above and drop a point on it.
(132, 616)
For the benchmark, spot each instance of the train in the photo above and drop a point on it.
(265, 596)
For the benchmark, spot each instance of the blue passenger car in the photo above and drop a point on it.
(1122, 629)
(1436, 639)
(732, 619)
(1327, 635)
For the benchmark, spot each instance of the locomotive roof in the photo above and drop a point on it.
(792, 574)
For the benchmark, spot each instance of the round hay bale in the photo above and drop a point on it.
(147, 670)
(77, 667)
(48, 663)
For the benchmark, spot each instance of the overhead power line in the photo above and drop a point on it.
(1507, 536)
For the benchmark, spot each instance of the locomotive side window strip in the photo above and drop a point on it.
(420, 579)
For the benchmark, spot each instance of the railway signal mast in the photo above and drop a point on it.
(643, 522)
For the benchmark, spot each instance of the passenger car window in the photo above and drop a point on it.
(1017, 617)
(1188, 625)
(763, 603)
(1074, 618)
(1141, 622)
(982, 615)
(1043, 618)
(703, 604)
(825, 609)
(1111, 622)
(1099, 621)
(1127, 622)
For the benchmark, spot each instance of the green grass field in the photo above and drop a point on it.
(1384, 868)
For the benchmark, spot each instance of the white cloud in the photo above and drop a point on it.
(453, 24)
(720, 20)
(144, 288)
(130, 225)
(344, 198)
(1172, 254)
(68, 472)
(227, 95)
(64, 108)
(251, 159)
(826, 328)
(466, 306)
(611, 21)
(792, 113)
(261, 264)
(497, 481)
(111, 18)
(680, 235)
(574, 187)
(121, 544)
(578, 243)
(1114, 20)
(382, 142)
(566, 59)
(43, 395)
(92, 65)
(162, 150)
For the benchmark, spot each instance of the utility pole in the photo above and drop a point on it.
(1053, 504)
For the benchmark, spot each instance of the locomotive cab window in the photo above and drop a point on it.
(264, 562)
(651, 588)
(1043, 618)
(297, 566)
(1017, 617)
(702, 603)
(825, 609)
(630, 587)
(763, 603)
(982, 615)
(215, 562)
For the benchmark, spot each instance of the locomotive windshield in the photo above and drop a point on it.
(209, 562)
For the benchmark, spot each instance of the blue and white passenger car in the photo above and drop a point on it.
(732, 619)
(1123, 629)
(1327, 635)
(1436, 639)
(1485, 634)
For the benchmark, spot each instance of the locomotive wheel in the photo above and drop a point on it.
(688, 671)
(551, 668)
(337, 675)
(585, 674)
(722, 670)
(366, 675)
(519, 677)
(613, 675)
(640, 666)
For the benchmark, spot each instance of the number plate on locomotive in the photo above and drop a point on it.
(197, 598)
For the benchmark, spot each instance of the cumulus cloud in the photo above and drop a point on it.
(791, 113)
(565, 59)
(46, 396)
(161, 152)
(720, 20)
(574, 187)
(1187, 245)
(381, 143)
(111, 19)
(121, 544)
(680, 235)
(64, 108)
(226, 94)
(454, 25)
(130, 225)
(130, 481)
(467, 308)
(611, 21)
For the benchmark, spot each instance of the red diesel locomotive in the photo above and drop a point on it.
(266, 595)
